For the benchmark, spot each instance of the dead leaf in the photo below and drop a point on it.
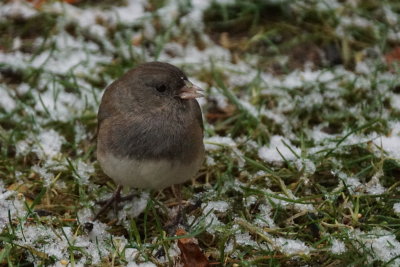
(192, 256)
(393, 57)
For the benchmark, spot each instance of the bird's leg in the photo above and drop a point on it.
(128, 197)
(116, 197)
(178, 219)
(179, 197)
(176, 190)
(120, 199)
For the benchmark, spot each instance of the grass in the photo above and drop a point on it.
(312, 73)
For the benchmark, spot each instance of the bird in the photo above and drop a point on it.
(150, 129)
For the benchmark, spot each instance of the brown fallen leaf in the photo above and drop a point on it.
(192, 256)
(393, 57)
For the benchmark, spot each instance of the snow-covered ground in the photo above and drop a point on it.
(280, 134)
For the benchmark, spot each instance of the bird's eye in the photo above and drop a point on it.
(161, 88)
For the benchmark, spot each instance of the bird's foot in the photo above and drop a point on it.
(178, 217)
(115, 199)
(175, 221)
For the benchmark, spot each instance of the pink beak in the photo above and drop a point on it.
(190, 91)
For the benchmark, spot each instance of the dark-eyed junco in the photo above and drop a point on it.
(150, 128)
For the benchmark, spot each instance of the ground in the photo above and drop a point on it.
(302, 132)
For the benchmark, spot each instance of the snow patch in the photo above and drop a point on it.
(390, 144)
(10, 205)
(338, 247)
(6, 100)
(218, 142)
(17, 9)
(291, 247)
(396, 208)
(48, 144)
(277, 151)
(381, 243)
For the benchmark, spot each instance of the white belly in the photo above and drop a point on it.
(147, 173)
